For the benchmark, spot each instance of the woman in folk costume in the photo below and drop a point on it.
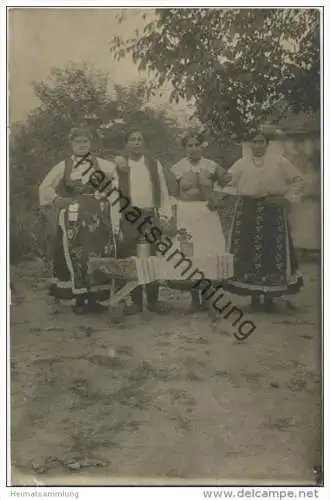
(142, 181)
(265, 261)
(197, 208)
(85, 222)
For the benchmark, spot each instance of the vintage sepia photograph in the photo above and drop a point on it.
(165, 220)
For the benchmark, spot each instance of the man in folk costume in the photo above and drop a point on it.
(83, 222)
(142, 180)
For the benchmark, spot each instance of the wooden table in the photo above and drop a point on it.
(141, 271)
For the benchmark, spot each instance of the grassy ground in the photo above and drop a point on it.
(156, 400)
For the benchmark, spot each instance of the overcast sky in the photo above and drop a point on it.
(40, 39)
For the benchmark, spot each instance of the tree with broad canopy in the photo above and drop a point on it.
(234, 63)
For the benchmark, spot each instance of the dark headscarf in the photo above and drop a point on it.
(80, 132)
(254, 132)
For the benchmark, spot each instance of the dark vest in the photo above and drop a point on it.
(69, 187)
(124, 181)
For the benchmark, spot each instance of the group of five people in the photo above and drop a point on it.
(83, 222)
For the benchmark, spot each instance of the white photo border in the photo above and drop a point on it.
(143, 492)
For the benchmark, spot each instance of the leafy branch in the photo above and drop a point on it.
(233, 63)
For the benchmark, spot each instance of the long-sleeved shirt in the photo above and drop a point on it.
(82, 172)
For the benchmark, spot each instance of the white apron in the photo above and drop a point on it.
(204, 227)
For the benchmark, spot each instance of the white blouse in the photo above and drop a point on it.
(272, 175)
(184, 166)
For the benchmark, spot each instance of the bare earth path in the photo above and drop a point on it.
(157, 399)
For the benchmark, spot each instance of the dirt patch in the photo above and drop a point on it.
(159, 398)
